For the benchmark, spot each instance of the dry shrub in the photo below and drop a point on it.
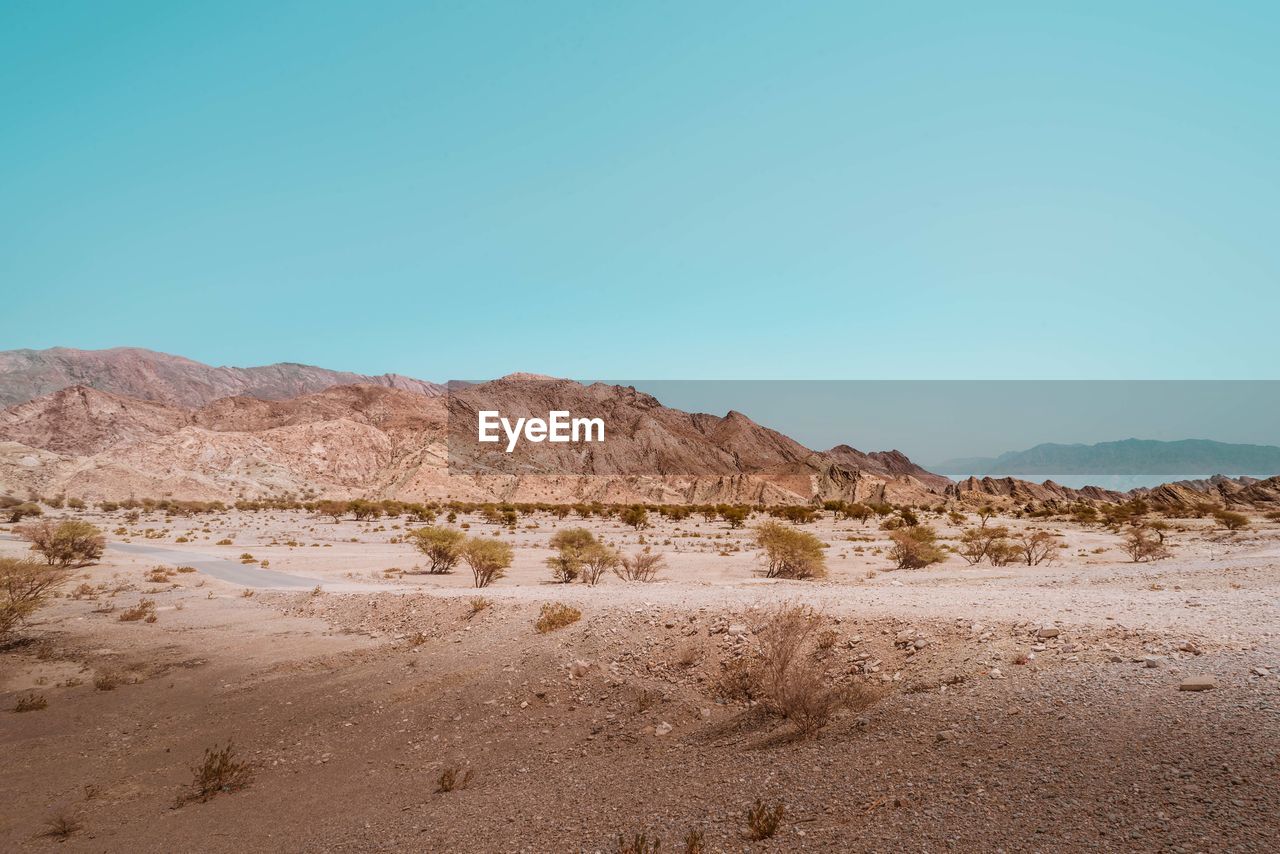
(479, 604)
(219, 771)
(792, 684)
(107, 680)
(556, 615)
(915, 547)
(695, 842)
(763, 821)
(790, 553)
(641, 566)
(739, 681)
(25, 586)
(1141, 544)
(453, 778)
(639, 844)
(67, 543)
(488, 559)
(61, 826)
(31, 702)
(144, 610)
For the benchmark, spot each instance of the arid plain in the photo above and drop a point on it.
(1015, 707)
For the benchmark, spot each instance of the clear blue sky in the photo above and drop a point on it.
(713, 190)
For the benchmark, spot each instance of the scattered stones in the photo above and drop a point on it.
(1152, 661)
(579, 668)
(1047, 632)
(996, 673)
(947, 735)
(662, 728)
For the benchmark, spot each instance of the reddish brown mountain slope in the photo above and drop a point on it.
(162, 378)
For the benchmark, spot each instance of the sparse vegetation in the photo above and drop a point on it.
(641, 566)
(790, 553)
(68, 543)
(61, 826)
(452, 779)
(441, 546)
(763, 821)
(792, 684)
(31, 702)
(1140, 544)
(1231, 520)
(556, 615)
(219, 771)
(25, 586)
(488, 559)
(915, 547)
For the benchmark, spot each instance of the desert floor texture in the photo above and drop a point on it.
(1019, 708)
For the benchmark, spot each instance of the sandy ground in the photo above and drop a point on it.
(349, 701)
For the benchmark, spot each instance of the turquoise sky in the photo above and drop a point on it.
(703, 190)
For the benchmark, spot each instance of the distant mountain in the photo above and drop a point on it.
(161, 378)
(371, 440)
(1130, 457)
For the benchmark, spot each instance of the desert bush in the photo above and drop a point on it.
(18, 512)
(1003, 553)
(31, 702)
(219, 771)
(441, 546)
(915, 547)
(1035, 547)
(570, 545)
(556, 615)
(1231, 520)
(735, 515)
(67, 543)
(635, 516)
(452, 779)
(106, 681)
(639, 843)
(641, 566)
(763, 821)
(479, 604)
(790, 553)
(488, 559)
(791, 684)
(695, 842)
(25, 585)
(739, 680)
(1140, 545)
(597, 559)
(144, 610)
(796, 513)
(61, 826)
(978, 543)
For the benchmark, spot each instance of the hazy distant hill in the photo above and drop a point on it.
(1130, 456)
(161, 378)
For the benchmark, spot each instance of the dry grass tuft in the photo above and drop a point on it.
(144, 610)
(61, 826)
(453, 779)
(556, 615)
(219, 771)
(638, 844)
(763, 821)
(31, 702)
(106, 681)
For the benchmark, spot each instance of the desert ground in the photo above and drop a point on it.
(1008, 708)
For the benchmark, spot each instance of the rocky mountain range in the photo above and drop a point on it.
(161, 378)
(1128, 456)
(363, 440)
(148, 424)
